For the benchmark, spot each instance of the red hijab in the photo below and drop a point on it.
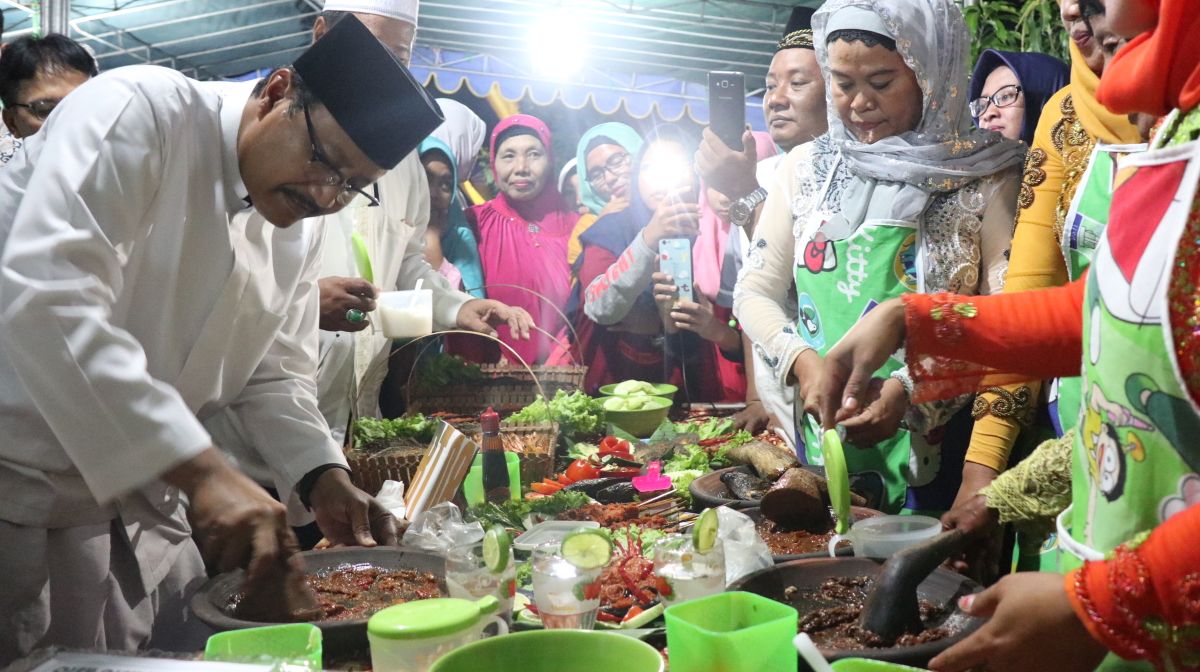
(1157, 71)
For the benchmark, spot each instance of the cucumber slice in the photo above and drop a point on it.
(704, 533)
(643, 619)
(587, 549)
(496, 545)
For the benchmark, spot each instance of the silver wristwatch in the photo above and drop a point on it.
(742, 210)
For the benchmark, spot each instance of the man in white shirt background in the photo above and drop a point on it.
(36, 73)
(133, 303)
(353, 359)
(794, 109)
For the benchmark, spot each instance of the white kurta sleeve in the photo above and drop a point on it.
(278, 407)
(447, 301)
(762, 289)
(82, 211)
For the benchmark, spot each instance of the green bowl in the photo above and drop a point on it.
(640, 423)
(554, 651)
(665, 390)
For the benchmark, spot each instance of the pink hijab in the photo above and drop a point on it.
(709, 250)
(525, 244)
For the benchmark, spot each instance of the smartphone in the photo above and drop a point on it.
(675, 259)
(727, 107)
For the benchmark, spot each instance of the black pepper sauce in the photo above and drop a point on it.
(496, 487)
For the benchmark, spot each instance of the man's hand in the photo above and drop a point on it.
(807, 372)
(730, 172)
(340, 295)
(348, 516)
(236, 522)
(1031, 626)
(481, 315)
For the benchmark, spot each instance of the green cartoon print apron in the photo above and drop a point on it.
(1135, 453)
(1082, 229)
(837, 283)
(1084, 224)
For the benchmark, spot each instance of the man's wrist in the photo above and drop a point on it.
(305, 487)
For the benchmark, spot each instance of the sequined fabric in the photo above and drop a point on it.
(1183, 303)
(1075, 145)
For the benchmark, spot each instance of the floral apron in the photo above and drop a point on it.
(837, 282)
(1135, 454)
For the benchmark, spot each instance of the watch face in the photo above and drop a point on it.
(739, 213)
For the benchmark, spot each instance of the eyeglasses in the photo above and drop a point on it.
(40, 108)
(1006, 96)
(616, 164)
(333, 176)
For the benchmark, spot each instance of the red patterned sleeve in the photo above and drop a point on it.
(954, 341)
(1143, 603)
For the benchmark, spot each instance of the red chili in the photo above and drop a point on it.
(631, 584)
(717, 441)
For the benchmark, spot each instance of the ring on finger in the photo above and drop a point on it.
(355, 316)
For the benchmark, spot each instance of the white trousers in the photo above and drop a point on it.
(81, 588)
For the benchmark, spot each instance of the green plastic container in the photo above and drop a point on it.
(640, 423)
(665, 390)
(555, 651)
(866, 665)
(297, 642)
(473, 485)
(732, 632)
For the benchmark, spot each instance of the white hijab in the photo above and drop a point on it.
(895, 177)
(463, 132)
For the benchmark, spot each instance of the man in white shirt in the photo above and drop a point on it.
(133, 303)
(794, 108)
(353, 359)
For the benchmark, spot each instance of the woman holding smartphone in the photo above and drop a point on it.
(902, 193)
(620, 329)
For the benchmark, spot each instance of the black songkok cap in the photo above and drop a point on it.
(798, 33)
(369, 92)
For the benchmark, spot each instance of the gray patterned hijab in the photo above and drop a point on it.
(894, 178)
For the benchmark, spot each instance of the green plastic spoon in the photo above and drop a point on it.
(838, 477)
(361, 258)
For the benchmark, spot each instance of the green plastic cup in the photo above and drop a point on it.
(296, 642)
(866, 665)
(473, 484)
(555, 651)
(732, 632)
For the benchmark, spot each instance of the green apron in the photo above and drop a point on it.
(837, 282)
(1084, 224)
(1082, 229)
(1135, 449)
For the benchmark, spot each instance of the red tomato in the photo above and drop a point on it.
(581, 470)
(564, 479)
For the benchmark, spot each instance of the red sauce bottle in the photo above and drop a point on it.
(496, 487)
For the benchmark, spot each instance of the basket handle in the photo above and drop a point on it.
(546, 300)
(516, 357)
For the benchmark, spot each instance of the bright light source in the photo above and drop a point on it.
(558, 44)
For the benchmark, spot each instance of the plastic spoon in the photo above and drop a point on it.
(809, 652)
(653, 481)
(838, 477)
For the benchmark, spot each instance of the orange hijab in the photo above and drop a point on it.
(1160, 70)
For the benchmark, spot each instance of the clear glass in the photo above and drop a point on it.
(565, 595)
(468, 577)
(686, 574)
